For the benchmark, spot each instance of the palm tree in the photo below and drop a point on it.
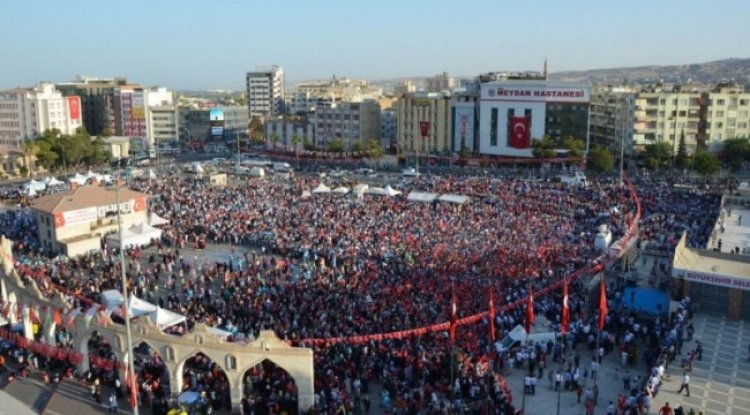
(295, 143)
(30, 149)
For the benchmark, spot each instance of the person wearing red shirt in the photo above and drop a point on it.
(665, 410)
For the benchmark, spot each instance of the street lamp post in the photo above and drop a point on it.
(129, 354)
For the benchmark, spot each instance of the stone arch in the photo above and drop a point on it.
(166, 376)
(223, 400)
(12, 299)
(83, 345)
(240, 382)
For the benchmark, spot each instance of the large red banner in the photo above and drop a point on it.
(520, 136)
(74, 108)
(424, 128)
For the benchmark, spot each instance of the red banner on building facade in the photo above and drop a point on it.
(74, 108)
(520, 136)
(424, 128)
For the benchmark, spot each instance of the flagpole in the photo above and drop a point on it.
(450, 349)
(128, 333)
(529, 321)
(559, 372)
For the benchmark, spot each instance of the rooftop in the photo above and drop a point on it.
(83, 197)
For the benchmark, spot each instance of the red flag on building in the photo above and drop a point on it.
(565, 309)
(530, 310)
(454, 318)
(492, 315)
(602, 304)
(424, 128)
(519, 132)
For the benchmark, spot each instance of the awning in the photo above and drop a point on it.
(460, 199)
(165, 319)
(422, 197)
(341, 190)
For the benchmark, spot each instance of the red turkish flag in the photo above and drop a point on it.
(602, 304)
(529, 310)
(424, 128)
(565, 309)
(519, 132)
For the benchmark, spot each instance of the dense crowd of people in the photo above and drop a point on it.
(339, 266)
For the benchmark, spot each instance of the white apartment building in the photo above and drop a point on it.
(349, 121)
(727, 115)
(664, 114)
(265, 92)
(28, 112)
(162, 124)
(287, 129)
(433, 108)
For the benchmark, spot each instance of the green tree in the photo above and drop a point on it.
(358, 146)
(706, 163)
(544, 148)
(336, 145)
(106, 132)
(373, 149)
(309, 145)
(575, 147)
(736, 151)
(682, 155)
(601, 160)
(255, 129)
(658, 155)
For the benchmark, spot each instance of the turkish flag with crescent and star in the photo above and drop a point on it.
(520, 136)
(424, 128)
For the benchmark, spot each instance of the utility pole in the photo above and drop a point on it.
(129, 354)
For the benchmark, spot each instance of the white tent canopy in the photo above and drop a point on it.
(90, 174)
(79, 179)
(155, 220)
(391, 191)
(220, 333)
(425, 197)
(322, 189)
(138, 235)
(164, 318)
(29, 192)
(35, 185)
(342, 190)
(459, 199)
(376, 191)
(111, 298)
(361, 188)
(138, 307)
(54, 182)
(151, 174)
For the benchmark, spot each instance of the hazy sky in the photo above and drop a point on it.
(203, 44)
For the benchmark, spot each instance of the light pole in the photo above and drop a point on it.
(129, 354)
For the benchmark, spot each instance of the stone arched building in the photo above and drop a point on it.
(235, 359)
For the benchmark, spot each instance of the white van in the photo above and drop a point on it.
(517, 336)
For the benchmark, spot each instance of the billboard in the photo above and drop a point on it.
(74, 108)
(463, 128)
(546, 92)
(216, 119)
(75, 217)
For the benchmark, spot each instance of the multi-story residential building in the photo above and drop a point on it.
(198, 124)
(339, 89)
(404, 87)
(388, 128)
(285, 129)
(433, 108)
(130, 111)
(163, 124)
(665, 113)
(612, 118)
(265, 92)
(348, 121)
(28, 112)
(515, 109)
(439, 83)
(97, 100)
(727, 114)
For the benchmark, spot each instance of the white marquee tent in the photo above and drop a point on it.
(322, 189)
(361, 188)
(35, 185)
(54, 182)
(341, 190)
(425, 197)
(391, 191)
(156, 220)
(164, 318)
(138, 235)
(459, 199)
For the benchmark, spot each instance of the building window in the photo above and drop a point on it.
(493, 126)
